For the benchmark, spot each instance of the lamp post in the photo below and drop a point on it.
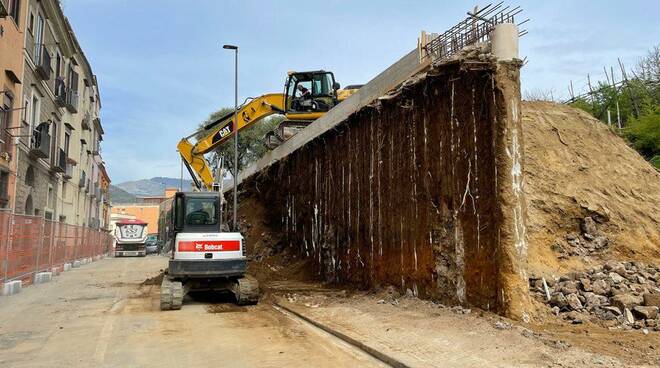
(235, 128)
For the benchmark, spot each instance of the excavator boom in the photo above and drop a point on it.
(220, 131)
(309, 95)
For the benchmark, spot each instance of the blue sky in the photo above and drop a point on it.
(161, 68)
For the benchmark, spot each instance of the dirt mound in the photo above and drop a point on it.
(590, 196)
(269, 258)
(156, 280)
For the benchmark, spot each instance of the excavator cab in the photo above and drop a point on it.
(310, 92)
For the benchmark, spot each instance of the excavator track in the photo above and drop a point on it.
(246, 290)
(171, 294)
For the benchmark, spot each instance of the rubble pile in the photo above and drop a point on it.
(623, 294)
(590, 241)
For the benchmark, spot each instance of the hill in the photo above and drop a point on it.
(118, 195)
(153, 186)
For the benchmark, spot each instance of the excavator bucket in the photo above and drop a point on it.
(283, 132)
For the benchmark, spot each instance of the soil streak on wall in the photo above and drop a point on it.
(415, 190)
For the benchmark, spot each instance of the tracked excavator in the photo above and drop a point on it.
(205, 255)
(307, 96)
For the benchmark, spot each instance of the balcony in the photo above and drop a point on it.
(60, 164)
(40, 142)
(72, 98)
(68, 173)
(42, 61)
(60, 92)
(86, 122)
(83, 180)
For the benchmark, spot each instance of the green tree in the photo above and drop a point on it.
(250, 143)
(639, 105)
(644, 133)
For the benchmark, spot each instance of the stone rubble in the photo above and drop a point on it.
(617, 294)
(590, 241)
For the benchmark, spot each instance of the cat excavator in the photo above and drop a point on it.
(307, 96)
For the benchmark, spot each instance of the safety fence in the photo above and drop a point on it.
(32, 244)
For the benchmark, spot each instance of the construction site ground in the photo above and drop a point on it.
(106, 314)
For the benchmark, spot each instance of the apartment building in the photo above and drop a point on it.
(12, 26)
(58, 156)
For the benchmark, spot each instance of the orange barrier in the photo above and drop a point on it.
(30, 244)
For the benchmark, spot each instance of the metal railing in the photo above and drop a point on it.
(31, 244)
(40, 143)
(60, 92)
(72, 98)
(43, 61)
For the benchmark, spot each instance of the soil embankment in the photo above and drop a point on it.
(577, 168)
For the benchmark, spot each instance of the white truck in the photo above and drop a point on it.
(131, 237)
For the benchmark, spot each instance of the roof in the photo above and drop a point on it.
(131, 222)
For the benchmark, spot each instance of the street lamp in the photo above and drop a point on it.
(235, 127)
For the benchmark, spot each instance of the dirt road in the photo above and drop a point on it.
(104, 314)
(101, 316)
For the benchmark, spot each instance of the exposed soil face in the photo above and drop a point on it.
(407, 196)
(576, 168)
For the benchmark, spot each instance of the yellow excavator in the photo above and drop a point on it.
(307, 96)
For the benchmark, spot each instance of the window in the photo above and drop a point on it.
(15, 10)
(201, 211)
(5, 122)
(58, 65)
(4, 189)
(31, 23)
(35, 111)
(67, 142)
(38, 39)
(29, 176)
(25, 114)
(51, 200)
(64, 190)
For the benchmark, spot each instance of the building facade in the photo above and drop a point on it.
(12, 29)
(58, 164)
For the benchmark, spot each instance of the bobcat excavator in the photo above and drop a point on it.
(204, 256)
(307, 96)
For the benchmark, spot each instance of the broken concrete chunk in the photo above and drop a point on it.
(645, 312)
(652, 299)
(600, 242)
(589, 226)
(600, 287)
(558, 300)
(568, 287)
(615, 277)
(626, 301)
(574, 302)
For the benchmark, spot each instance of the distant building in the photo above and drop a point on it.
(146, 209)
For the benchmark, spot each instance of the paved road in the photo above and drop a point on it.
(101, 316)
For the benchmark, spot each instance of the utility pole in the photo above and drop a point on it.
(235, 128)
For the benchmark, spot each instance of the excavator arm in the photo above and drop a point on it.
(221, 130)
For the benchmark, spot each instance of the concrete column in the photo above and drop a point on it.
(513, 298)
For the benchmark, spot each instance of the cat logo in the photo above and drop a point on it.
(225, 131)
